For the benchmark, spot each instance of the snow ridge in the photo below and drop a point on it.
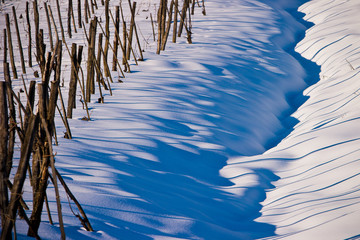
(317, 194)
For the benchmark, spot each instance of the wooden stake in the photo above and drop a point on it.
(132, 23)
(116, 39)
(5, 46)
(125, 62)
(19, 41)
(107, 38)
(161, 15)
(86, 9)
(73, 81)
(20, 176)
(49, 26)
(4, 128)
(98, 60)
(29, 34)
(37, 29)
(91, 59)
(166, 35)
(60, 21)
(122, 46)
(79, 12)
(183, 16)
(70, 5)
(12, 118)
(175, 21)
(11, 51)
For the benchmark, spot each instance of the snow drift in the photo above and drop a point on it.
(160, 159)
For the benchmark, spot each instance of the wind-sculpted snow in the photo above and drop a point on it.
(317, 195)
(177, 152)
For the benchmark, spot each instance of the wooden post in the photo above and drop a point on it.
(37, 29)
(92, 6)
(161, 24)
(86, 9)
(116, 39)
(124, 39)
(40, 186)
(98, 74)
(163, 18)
(79, 13)
(175, 21)
(41, 50)
(90, 64)
(203, 8)
(183, 16)
(19, 41)
(4, 128)
(193, 7)
(11, 51)
(107, 37)
(54, 93)
(70, 5)
(12, 118)
(122, 46)
(53, 22)
(166, 35)
(73, 18)
(20, 176)
(29, 34)
(73, 81)
(189, 30)
(60, 21)
(49, 26)
(5, 46)
(132, 23)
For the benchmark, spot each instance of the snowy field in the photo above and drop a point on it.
(249, 132)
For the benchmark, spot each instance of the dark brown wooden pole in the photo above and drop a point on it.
(90, 83)
(160, 27)
(183, 16)
(49, 26)
(42, 176)
(12, 118)
(79, 13)
(167, 30)
(203, 8)
(29, 34)
(70, 5)
(175, 21)
(26, 149)
(125, 62)
(86, 9)
(73, 82)
(37, 29)
(4, 128)
(60, 21)
(11, 51)
(19, 41)
(122, 46)
(107, 37)
(130, 37)
(98, 73)
(5, 46)
(116, 39)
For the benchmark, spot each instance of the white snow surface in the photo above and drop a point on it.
(236, 136)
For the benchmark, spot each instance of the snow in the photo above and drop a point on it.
(236, 136)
